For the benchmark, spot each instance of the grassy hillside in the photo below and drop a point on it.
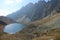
(46, 29)
(52, 30)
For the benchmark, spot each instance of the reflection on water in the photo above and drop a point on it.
(13, 28)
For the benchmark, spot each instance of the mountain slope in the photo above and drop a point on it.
(53, 28)
(46, 31)
(37, 11)
(23, 11)
(38, 31)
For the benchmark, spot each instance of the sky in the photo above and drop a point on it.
(10, 6)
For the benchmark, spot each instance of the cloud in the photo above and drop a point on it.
(9, 1)
(3, 12)
(18, 1)
(12, 1)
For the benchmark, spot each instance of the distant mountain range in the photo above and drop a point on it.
(37, 11)
(6, 20)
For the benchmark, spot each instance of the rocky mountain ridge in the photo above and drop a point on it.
(38, 10)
